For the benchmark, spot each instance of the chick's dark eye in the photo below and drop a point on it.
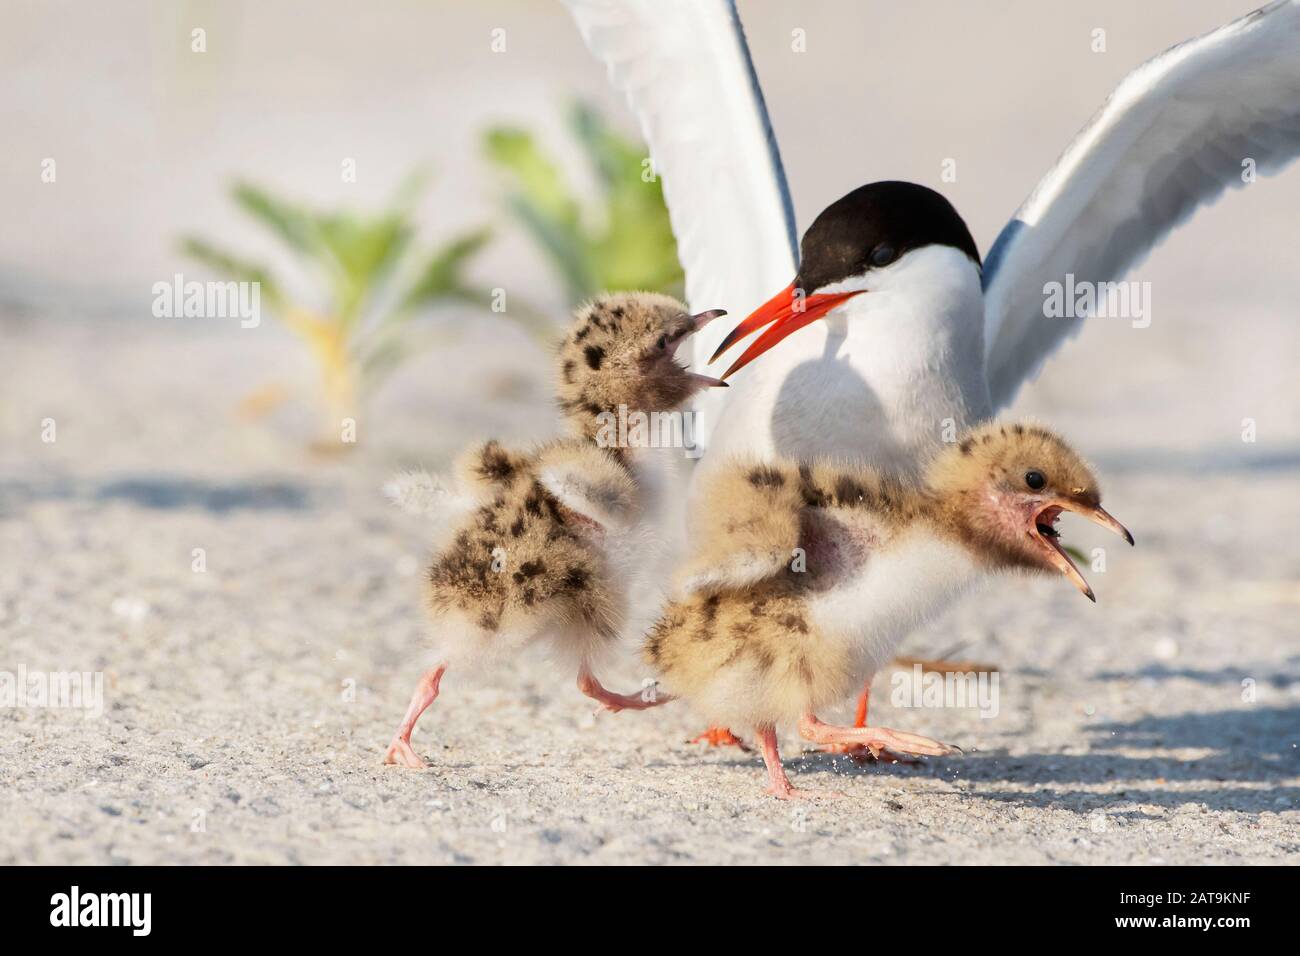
(1035, 480)
(882, 255)
(662, 343)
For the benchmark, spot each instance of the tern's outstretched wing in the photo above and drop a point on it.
(1178, 131)
(685, 68)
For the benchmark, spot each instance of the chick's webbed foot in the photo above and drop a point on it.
(719, 737)
(859, 751)
(878, 740)
(612, 702)
(866, 753)
(402, 754)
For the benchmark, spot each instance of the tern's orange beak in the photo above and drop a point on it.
(787, 311)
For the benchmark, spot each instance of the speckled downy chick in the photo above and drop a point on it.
(805, 577)
(545, 544)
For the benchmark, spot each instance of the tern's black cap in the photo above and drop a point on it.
(874, 221)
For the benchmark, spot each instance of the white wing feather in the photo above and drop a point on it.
(1172, 137)
(430, 496)
(740, 570)
(685, 69)
(611, 506)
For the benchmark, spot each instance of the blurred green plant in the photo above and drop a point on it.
(370, 284)
(1075, 553)
(624, 243)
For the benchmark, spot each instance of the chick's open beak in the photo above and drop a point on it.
(1101, 516)
(1049, 538)
(701, 319)
(688, 328)
(786, 312)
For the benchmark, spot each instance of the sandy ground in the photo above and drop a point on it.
(246, 707)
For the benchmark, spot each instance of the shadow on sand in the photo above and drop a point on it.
(161, 493)
(1253, 766)
(1221, 675)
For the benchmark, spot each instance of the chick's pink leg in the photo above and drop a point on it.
(426, 692)
(779, 784)
(589, 685)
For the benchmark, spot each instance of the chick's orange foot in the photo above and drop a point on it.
(719, 737)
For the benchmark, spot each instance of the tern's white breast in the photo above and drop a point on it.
(884, 379)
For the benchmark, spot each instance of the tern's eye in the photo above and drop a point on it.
(662, 343)
(1035, 480)
(883, 255)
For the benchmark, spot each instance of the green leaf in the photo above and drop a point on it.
(356, 327)
(568, 249)
(409, 191)
(636, 249)
(541, 201)
(442, 273)
(227, 263)
(631, 247)
(290, 222)
(516, 152)
(364, 250)
(604, 149)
